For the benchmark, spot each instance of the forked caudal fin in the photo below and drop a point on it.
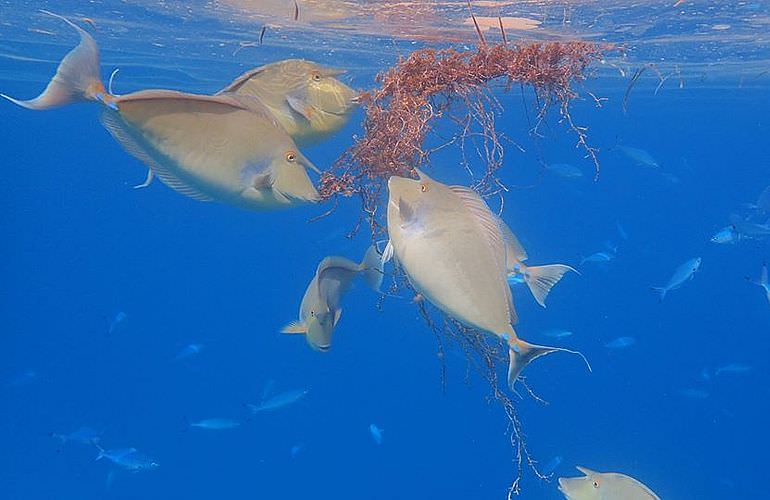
(521, 353)
(661, 291)
(540, 279)
(76, 79)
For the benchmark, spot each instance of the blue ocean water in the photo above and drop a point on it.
(82, 247)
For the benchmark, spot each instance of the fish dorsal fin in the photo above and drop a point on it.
(168, 95)
(514, 250)
(490, 228)
(235, 85)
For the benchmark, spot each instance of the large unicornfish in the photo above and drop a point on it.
(305, 97)
(604, 486)
(452, 248)
(226, 147)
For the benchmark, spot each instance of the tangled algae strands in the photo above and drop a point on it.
(424, 86)
(456, 85)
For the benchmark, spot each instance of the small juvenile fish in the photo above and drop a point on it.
(215, 424)
(278, 401)
(734, 368)
(726, 236)
(82, 435)
(188, 351)
(118, 320)
(227, 147)
(296, 450)
(598, 257)
(682, 275)
(694, 393)
(565, 170)
(763, 282)
(620, 343)
(23, 378)
(128, 458)
(557, 334)
(321, 308)
(604, 486)
(376, 433)
(639, 157)
(306, 98)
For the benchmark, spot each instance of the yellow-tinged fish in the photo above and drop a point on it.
(604, 486)
(452, 248)
(305, 97)
(320, 309)
(226, 147)
(539, 279)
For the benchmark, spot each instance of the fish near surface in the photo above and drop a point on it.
(683, 274)
(604, 486)
(320, 309)
(451, 247)
(306, 98)
(226, 147)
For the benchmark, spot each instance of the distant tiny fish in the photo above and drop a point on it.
(296, 450)
(23, 378)
(762, 281)
(620, 343)
(734, 368)
(188, 351)
(278, 401)
(598, 257)
(215, 424)
(82, 435)
(639, 157)
(557, 333)
(565, 170)
(128, 458)
(726, 236)
(621, 231)
(705, 374)
(376, 433)
(683, 274)
(116, 322)
(694, 393)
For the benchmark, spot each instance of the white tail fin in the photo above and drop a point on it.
(76, 79)
(522, 353)
(541, 279)
(371, 268)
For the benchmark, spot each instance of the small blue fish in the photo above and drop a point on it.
(296, 450)
(128, 458)
(557, 333)
(278, 401)
(82, 435)
(682, 275)
(215, 424)
(116, 322)
(726, 236)
(23, 378)
(734, 368)
(639, 157)
(188, 351)
(376, 433)
(621, 343)
(565, 170)
(598, 257)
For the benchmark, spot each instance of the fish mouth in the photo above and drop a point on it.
(324, 348)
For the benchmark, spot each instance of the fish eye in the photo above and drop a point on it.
(291, 156)
(424, 188)
(316, 76)
(596, 484)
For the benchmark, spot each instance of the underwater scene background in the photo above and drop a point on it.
(104, 288)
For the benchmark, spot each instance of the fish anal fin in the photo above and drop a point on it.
(295, 327)
(541, 279)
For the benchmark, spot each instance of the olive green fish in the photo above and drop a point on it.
(305, 97)
(320, 309)
(451, 247)
(604, 486)
(226, 147)
(539, 279)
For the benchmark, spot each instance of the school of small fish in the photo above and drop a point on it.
(455, 251)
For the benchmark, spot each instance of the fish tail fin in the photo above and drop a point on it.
(763, 276)
(521, 353)
(371, 268)
(540, 279)
(661, 291)
(294, 327)
(76, 79)
(101, 452)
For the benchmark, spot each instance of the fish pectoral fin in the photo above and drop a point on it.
(147, 181)
(294, 327)
(337, 315)
(301, 107)
(521, 353)
(541, 279)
